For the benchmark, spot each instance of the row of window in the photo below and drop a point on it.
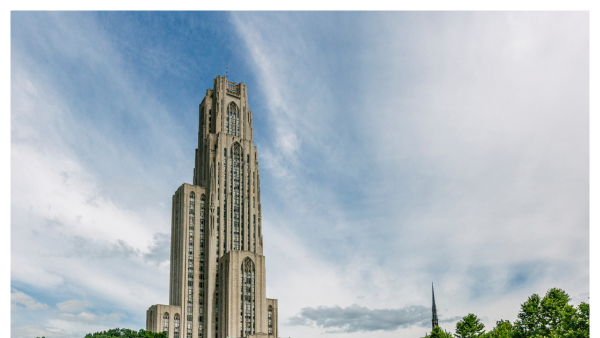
(175, 324)
(190, 297)
(270, 319)
(242, 232)
(201, 270)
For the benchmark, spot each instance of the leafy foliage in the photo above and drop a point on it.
(548, 317)
(438, 333)
(503, 329)
(552, 316)
(469, 327)
(126, 333)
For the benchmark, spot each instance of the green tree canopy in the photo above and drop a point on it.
(575, 322)
(552, 316)
(437, 332)
(469, 327)
(503, 329)
(126, 333)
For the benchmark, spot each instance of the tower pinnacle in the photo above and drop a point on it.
(434, 319)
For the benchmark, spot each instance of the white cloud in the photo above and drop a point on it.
(456, 151)
(19, 300)
(85, 317)
(79, 218)
(38, 331)
(73, 305)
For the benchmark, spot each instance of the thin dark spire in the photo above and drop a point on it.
(434, 319)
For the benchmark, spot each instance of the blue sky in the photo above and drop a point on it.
(396, 149)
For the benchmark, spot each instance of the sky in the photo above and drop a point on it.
(397, 150)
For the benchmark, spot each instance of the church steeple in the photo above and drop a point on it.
(434, 319)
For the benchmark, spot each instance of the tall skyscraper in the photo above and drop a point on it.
(218, 280)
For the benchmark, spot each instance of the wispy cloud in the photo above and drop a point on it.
(432, 146)
(80, 220)
(38, 331)
(73, 305)
(159, 250)
(19, 300)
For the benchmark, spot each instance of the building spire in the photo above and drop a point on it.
(434, 319)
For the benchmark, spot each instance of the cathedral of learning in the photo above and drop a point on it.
(217, 278)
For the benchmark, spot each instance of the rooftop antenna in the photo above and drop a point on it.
(226, 70)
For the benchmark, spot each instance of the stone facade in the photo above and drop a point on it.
(218, 279)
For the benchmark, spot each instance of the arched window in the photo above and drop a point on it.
(176, 326)
(233, 120)
(270, 319)
(247, 319)
(166, 322)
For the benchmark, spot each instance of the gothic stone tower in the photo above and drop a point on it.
(218, 280)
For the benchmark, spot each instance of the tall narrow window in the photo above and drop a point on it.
(166, 322)
(201, 269)
(218, 228)
(236, 173)
(247, 319)
(233, 120)
(225, 199)
(248, 205)
(217, 304)
(270, 319)
(190, 286)
(176, 326)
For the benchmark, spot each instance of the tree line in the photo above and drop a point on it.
(125, 333)
(548, 317)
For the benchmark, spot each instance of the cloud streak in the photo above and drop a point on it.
(357, 318)
(441, 147)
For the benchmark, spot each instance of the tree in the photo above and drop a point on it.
(469, 327)
(552, 316)
(437, 332)
(575, 322)
(126, 333)
(503, 329)
(528, 323)
(553, 308)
